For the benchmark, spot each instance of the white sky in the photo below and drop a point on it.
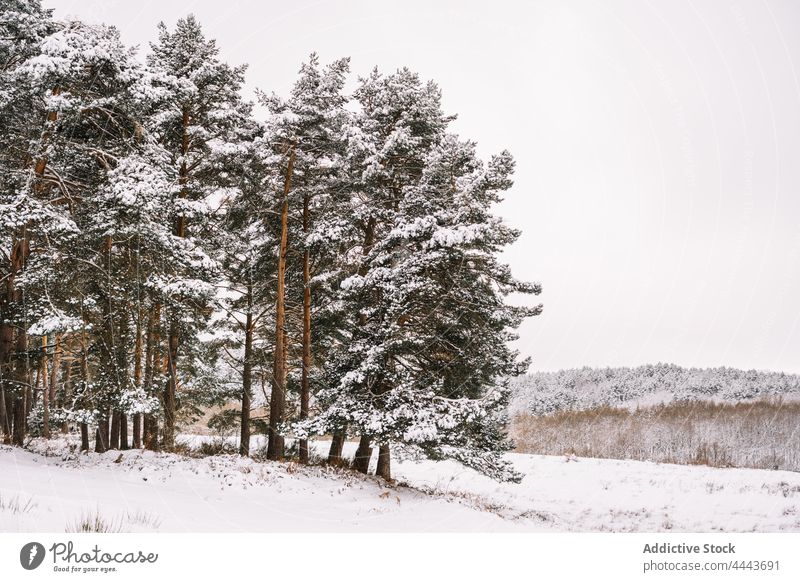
(657, 147)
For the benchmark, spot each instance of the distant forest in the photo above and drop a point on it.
(585, 388)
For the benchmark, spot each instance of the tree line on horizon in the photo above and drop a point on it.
(544, 393)
(163, 250)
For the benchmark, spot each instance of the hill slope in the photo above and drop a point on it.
(144, 491)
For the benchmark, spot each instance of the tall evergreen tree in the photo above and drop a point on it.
(426, 357)
(83, 81)
(400, 119)
(24, 25)
(197, 122)
(304, 141)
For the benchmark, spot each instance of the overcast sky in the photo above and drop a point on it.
(657, 147)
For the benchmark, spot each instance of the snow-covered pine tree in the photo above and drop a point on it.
(198, 121)
(80, 82)
(445, 342)
(247, 242)
(426, 360)
(304, 144)
(399, 120)
(24, 24)
(94, 124)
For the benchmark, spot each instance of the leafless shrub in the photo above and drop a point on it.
(16, 506)
(93, 522)
(143, 519)
(761, 434)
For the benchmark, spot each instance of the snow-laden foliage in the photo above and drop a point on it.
(424, 360)
(586, 388)
(163, 251)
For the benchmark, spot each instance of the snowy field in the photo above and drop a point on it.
(54, 490)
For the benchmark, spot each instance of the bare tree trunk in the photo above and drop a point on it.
(149, 441)
(168, 438)
(29, 400)
(337, 445)
(6, 342)
(85, 378)
(247, 376)
(305, 388)
(137, 430)
(49, 382)
(137, 381)
(101, 434)
(84, 437)
(123, 432)
(113, 442)
(150, 428)
(277, 403)
(4, 428)
(45, 376)
(67, 394)
(363, 455)
(384, 463)
(18, 436)
(22, 389)
(54, 368)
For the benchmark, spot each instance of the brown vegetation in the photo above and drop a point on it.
(761, 434)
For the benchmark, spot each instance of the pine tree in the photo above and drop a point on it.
(246, 247)
(24, 25)
(303, 142)
(399, 121)
(196, 122)
(425, 363)
(446, 340)
(345, 252)
(82, 80)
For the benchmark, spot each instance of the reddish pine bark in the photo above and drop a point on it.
(277, 403)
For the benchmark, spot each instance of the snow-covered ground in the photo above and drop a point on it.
(52, 490)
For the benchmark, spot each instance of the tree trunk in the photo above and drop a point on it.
(84, 437)
(149, 425)
(18, 436)
(4, 428)
(363, 455)
(113, 442)
(45, 371)
(66, 395)
(54, 368)
(384, 463)
(305, 388)
(22, 387)
(137, 381)
(137, 430)
(247, 376)
(6, 342)
(29, 400)
(337, 445)
(45, 395)
(101, 435)
(277, 402)
(168, 438)
(123, 432)
(86, 379)
(364, 451)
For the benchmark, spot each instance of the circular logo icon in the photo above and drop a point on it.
(31, 555)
